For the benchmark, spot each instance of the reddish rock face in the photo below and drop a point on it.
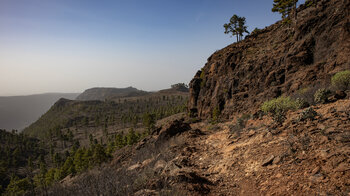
(276, 61)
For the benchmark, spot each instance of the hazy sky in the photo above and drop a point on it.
(72, 45)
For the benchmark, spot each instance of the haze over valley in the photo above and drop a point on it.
(18, 112)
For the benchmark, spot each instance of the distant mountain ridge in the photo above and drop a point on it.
(101, 93)
(118, 107)
(17, 112)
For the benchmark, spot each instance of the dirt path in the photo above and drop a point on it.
(214, 160)
(300, 158)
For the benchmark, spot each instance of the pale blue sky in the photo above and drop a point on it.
(72, 45)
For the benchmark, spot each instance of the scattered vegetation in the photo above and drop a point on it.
(15, 151)
(341, 80)
(50, 167)
(32, 166)
(120, 113)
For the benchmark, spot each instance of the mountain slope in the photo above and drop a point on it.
(278, 60)
(116, 113)
(181, 158)
(17, 112)
(107, 93)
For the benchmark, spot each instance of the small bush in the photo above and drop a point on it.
(341, 80)
(279, 104)
(321, 95)
(308, 113)
(278, 107)
(302, 103)
(256, 31)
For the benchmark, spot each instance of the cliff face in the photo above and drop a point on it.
(276, 61)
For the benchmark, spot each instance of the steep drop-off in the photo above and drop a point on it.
(278, 60)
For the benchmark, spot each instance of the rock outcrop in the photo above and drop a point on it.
(276, 61)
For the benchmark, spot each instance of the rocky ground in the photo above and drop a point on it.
(300, 157)
(308, 157)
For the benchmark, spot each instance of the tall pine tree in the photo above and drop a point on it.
(285, 7)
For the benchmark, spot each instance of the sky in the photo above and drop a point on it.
(73, 45)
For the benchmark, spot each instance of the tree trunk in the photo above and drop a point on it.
(295, 11)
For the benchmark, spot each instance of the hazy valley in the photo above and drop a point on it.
(18, 112)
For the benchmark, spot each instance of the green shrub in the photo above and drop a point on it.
(278, 107)
(279, 104)
(341, 80)
(321, 95)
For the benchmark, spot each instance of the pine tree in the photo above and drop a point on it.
(285, 7)
(242, 28)
(119, 143)
(149, 120)
(131, 137)
(99, 155)
(236, 27)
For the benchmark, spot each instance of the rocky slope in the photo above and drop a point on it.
(277, 60)
(301, 157)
